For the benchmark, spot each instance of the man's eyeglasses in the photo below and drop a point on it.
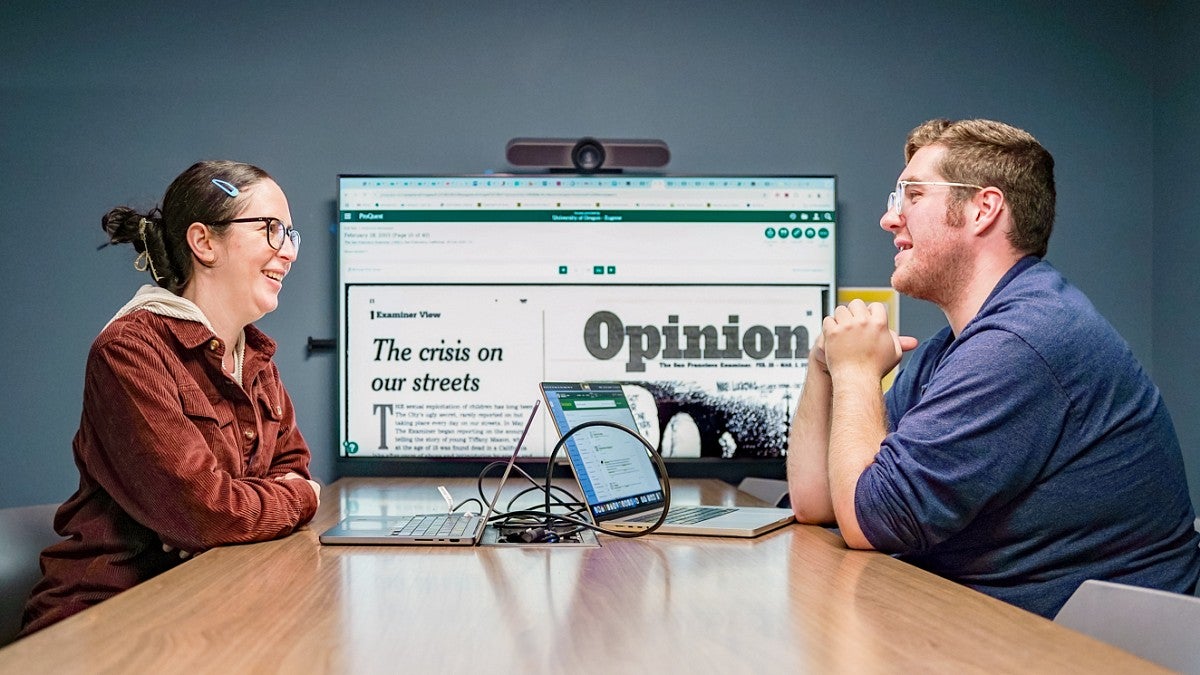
(896, 199)
(276, 231)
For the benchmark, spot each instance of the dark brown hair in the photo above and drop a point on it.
(994, 154)
(202, 194)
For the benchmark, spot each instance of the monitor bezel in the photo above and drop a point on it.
(727, 469)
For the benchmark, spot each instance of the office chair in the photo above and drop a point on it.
(771, 490)
(1156, 625)
(24, 532)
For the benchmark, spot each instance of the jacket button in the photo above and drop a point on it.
(214, 344)
(248, 434)
(278, 411)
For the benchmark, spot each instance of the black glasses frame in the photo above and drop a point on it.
(286, 231)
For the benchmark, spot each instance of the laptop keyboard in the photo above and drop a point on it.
(455, 525)
(685, 515)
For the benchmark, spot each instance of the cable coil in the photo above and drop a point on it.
(546, 518)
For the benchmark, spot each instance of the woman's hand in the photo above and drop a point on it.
(183, 555)
(316, 487)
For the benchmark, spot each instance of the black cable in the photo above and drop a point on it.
(663, 480)
(503, 521)
(574, 504)
(517, 519)
(466, 501)
(546, 517)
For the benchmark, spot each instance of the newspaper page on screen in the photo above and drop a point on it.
(457, 299)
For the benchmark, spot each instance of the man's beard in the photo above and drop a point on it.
(940, 269)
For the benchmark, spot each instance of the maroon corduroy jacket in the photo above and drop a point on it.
(170, 450)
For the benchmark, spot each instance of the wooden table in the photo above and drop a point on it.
(795, 600)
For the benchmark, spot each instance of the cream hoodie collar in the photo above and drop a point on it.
(165, 303)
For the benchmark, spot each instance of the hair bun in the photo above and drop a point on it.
(121, 224)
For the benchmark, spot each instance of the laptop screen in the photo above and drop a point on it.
(613, 469)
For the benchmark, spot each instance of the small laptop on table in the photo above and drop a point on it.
(618, 479)
(425, 529)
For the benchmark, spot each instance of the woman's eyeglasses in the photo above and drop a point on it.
(277, 232)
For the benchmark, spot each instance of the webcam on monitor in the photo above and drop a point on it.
(587, 154)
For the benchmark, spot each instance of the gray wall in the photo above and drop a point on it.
(103, 106)
(1176, 288)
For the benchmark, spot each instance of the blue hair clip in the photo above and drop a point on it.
(226, 186)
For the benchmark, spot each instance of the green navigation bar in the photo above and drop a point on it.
(588, 216)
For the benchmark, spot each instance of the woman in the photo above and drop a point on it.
(188, 439)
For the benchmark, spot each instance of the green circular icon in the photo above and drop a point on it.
(810, 233)
(797, 233)
(770, 233)
(823, 232)
(351, 447)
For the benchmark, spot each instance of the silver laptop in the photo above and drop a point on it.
(617, 477)
(425, 529)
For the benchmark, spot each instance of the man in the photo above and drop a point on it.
(1023, 449)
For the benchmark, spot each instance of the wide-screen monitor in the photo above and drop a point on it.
(458, 295)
